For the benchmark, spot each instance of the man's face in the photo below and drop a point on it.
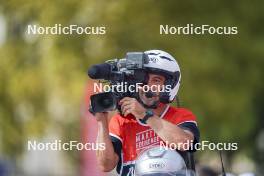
(155, 82)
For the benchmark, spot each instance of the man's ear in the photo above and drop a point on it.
(189, 133)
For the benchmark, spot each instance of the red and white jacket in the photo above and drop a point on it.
(129, 136)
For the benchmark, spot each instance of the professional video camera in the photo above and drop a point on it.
(129, 70)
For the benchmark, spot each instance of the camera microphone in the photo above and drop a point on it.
(100, 71)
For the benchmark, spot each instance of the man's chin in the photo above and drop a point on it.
(150, 102)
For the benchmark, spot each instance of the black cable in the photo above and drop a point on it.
(178, 101)
(223, 169)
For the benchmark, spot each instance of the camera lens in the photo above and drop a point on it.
(106, 102)
(103, 102)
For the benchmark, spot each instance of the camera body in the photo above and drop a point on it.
(129, 70)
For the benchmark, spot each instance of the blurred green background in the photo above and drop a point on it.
(43, 77)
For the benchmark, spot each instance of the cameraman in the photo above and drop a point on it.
(147, 120)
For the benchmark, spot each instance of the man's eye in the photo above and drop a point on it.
(156, 80)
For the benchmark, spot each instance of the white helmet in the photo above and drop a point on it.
(158, 161)
(163, 63)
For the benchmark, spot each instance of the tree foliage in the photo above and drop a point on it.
(43, 77)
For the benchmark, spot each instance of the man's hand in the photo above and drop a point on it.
(132, 106)
(107, 159)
